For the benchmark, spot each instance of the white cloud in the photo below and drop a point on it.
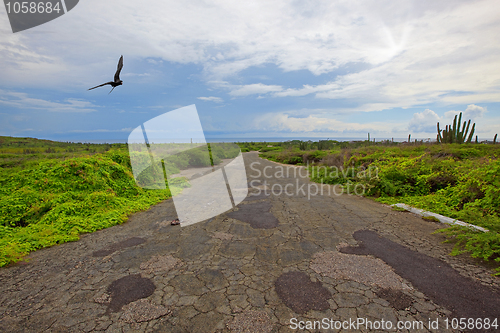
(252, 89)
(424, 122)
(126, 130)
(212, 99)
(136, 74)
(413, 52)
(23, 101)
(316, 125)
(155, 62)
(472, 112)
(417, 51)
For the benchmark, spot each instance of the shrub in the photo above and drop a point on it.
(56, 200)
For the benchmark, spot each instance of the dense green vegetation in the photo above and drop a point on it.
(256, 146)
(51, 192)
(461, 181)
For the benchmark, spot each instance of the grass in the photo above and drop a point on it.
(52, 192)
(431, 218)
(461, 181)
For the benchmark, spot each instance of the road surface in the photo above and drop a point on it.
(299, 257)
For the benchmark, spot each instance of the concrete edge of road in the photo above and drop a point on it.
(441, 218)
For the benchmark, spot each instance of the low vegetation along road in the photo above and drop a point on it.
(293, 256)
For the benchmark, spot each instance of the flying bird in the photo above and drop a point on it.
(117, 82)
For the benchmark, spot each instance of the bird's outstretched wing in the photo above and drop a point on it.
(119, 69)
(110, 82)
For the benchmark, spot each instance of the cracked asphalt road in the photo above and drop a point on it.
(221, 275)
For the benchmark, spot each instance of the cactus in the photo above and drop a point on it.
(439, 138)
(454, 134)
(495, 139)
(477, 141)
(409, 137)
(368, 137)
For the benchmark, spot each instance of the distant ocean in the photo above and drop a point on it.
(263, 139)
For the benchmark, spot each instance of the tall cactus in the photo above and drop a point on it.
(471, 132)
(454, 134)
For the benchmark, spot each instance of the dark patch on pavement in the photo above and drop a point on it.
(258, 215)
(128, 289)
(119, 246)
(300, 294)
(433, 277)
(396, 298)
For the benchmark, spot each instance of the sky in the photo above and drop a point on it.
(255, 69)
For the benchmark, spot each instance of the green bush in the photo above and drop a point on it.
(459, 181)
(57, 200)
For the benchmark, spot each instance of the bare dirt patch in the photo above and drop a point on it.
(133, 241)
(362, 269)
(160, 263)
(142, 310)
(251, 322)
(222, 235)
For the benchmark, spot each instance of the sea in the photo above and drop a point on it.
(266, 139)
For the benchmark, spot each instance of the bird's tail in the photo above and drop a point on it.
(111, 90)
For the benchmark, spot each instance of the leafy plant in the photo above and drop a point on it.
(55, 200)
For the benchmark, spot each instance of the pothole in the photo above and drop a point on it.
(301, 294)
(133, 241)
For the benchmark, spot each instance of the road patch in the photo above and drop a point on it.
(435, 278)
